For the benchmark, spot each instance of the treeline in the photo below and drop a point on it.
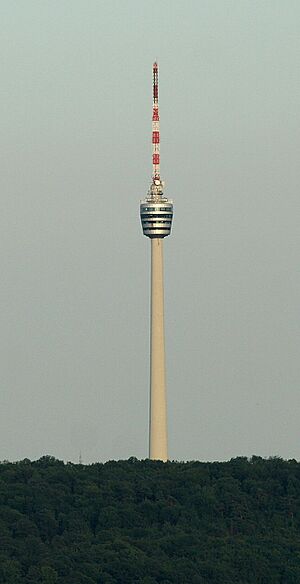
(146, 522)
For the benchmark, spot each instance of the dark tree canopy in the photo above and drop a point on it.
(146, 522)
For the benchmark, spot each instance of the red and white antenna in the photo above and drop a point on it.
(155, 129)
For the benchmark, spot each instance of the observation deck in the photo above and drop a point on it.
(156, 215)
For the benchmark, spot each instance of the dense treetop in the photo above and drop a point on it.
(147, 522)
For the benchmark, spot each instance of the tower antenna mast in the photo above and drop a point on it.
(155, 127)
(156, 217)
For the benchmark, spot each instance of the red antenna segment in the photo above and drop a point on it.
(155, 128)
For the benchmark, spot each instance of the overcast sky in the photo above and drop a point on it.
(76, 160)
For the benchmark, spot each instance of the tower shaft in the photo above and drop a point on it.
(158, 446)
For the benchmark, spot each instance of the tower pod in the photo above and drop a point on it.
(156, 217)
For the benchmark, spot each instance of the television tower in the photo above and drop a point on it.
(156, 217)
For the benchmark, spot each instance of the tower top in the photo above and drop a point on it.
(156, 210)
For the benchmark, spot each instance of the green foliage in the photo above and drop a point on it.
(144, 522)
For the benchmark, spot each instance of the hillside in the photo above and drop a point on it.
(147, 522)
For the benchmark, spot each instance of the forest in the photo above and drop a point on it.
(147, 522)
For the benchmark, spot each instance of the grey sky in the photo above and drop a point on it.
(76, 159)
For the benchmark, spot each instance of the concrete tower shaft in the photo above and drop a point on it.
(158, 439)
